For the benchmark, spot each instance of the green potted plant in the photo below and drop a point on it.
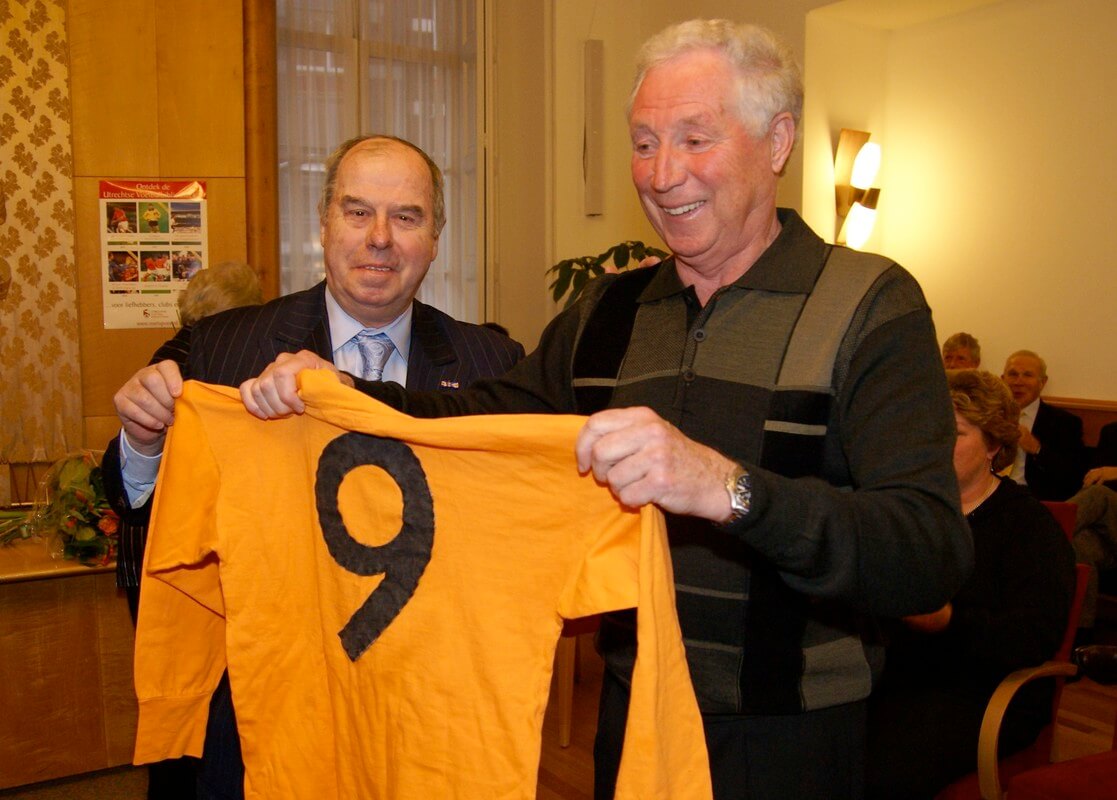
(572, 274)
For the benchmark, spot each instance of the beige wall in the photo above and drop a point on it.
(519, 175)
(997, 187)
(623, 25)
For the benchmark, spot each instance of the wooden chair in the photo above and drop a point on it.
(566, 664)
(986, 783)
(1085, 778)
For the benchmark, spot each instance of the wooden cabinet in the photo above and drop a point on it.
(67, 702)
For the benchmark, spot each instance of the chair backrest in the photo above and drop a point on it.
(1042, 747)
(1064, 513)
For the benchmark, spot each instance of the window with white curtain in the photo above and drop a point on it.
(402, 67)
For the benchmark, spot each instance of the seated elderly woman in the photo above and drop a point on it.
(942, 668)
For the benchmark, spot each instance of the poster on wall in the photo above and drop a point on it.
(153, 241)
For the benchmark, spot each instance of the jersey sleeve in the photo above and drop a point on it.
(629, 565)
(180, 633)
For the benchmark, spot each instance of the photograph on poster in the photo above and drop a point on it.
(156, 265)
(155, 218)
(121, 217)
(186, 219)
(124, 265)
(185, 264)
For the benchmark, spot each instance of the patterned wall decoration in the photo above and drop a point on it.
(40, 388)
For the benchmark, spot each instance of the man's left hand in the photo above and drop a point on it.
(274, 393)
(1028, 443)
(644, 459)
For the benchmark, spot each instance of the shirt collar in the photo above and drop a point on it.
(791, 263)
(343, 327)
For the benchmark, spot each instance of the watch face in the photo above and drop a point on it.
(739, 486)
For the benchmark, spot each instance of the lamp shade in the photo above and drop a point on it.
(858, 225)
(866, 166)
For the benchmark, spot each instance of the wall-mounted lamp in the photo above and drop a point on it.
(855, 168)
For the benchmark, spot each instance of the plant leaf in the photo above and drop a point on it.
(620, 255)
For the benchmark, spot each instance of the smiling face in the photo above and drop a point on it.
(378, 234)
(707, 185)
(1025, 378)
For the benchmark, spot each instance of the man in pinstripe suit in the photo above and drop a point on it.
(381, 214)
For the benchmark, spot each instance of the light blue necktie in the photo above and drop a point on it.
(375, 350)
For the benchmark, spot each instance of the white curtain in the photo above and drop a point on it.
(402, 67)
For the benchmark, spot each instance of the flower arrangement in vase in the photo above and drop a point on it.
(73, 508)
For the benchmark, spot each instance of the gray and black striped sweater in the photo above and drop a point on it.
(819, 371)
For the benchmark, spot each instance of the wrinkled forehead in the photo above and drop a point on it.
(701, 77)
(1024, 365)
(384, 166)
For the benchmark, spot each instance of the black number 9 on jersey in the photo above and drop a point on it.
(403, 559)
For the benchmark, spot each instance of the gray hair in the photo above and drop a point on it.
(438, 201)
(963, 340)
(230, 284)
(769, 82)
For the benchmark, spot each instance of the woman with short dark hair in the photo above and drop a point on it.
(942, 667)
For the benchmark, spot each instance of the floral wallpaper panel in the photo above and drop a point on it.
(40, 379)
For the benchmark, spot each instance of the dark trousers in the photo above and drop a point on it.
(221, 775)
(794, 756)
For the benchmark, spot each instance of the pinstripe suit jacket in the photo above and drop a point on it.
(235, 345)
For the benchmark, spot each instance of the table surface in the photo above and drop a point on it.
(32, 560)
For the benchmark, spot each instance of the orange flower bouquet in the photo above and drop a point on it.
(75, 509)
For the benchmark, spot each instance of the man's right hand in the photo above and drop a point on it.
(146, 405)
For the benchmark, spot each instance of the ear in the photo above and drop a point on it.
(781, 134)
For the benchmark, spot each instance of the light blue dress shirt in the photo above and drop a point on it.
(138, 472)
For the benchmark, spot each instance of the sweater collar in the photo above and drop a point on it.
(791, 264)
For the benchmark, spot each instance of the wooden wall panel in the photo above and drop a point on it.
(112, 87)
(98, 430)
(201, 88)
(115, 645)
(63, 654)
(158, 93)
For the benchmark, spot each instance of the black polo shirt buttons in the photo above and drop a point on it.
(700, 335)
(688, 375)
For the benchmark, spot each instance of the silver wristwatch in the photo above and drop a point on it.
(738, 483)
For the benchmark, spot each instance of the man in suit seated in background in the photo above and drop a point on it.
(381, 213)
(1050, 457)
(961, 351)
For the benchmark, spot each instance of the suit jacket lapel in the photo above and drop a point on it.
(304, 325)
(431, 351)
